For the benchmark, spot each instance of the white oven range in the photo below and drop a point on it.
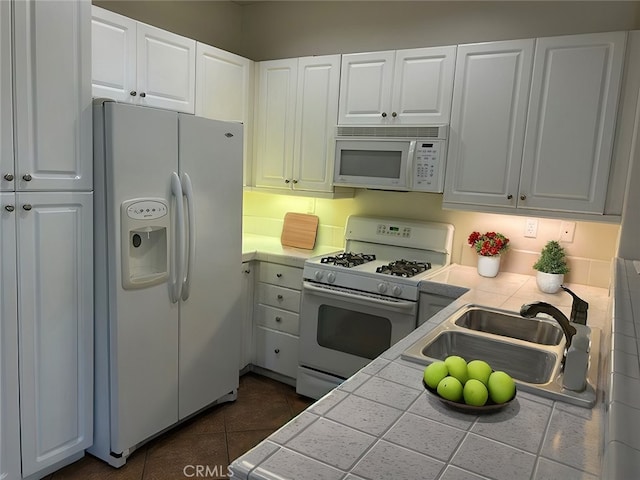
(359, 302)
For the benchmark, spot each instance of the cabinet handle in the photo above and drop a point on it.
(27, 206)
(509, 197)
(280, 297)
(278, 319)
(26, 177)
(142, 94)
(276, 351)
(286, 180)
(384, 114)
(247, 271)
(279, 275)
(523, 197)
(394, 114)
(133, 93)
(9, 208)
(295, 181)
(8, 177)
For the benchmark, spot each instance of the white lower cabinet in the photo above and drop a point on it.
(53, 293)
(246, 317)
(276, 318)
(9, 409)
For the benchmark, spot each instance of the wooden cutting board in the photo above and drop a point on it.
(299, 230)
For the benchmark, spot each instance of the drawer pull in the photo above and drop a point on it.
(277, 351)
(279, 275)
(278, 319)
(280, 297)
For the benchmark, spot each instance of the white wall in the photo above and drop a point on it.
(291, 29)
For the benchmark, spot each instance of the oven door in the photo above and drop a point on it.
(341, 331)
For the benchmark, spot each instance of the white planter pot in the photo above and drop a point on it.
(488, 266)
(549, 282)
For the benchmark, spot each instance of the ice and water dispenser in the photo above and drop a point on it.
(145, 225)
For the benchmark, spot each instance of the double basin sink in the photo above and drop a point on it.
(531, 350)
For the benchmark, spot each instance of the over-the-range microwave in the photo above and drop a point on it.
(391, 158)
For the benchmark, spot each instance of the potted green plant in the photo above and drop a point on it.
(551, 267)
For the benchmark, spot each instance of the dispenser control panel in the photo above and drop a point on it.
(146, 210)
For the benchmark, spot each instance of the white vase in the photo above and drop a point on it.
(488, 266)
(549, 282)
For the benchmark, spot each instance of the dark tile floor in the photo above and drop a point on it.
(209, 441)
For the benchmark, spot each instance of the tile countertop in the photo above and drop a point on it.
(269, 249)
(380, 423)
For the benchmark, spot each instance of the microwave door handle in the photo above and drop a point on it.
(410, 154)
(397, 305)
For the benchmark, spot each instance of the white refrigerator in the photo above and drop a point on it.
(168, 219)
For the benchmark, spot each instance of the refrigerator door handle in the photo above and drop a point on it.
(190, 244)
(177, 274)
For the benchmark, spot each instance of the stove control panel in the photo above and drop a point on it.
(389, 230)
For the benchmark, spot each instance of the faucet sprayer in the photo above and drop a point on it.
(578, 308)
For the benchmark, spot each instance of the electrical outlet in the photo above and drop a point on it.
(567, 231)
(531, 228)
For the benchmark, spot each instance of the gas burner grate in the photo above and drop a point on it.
(348, 259)
(404, 268)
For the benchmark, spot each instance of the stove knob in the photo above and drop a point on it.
(331, 277)
(382, 287)
(318, 275)
(396, 291)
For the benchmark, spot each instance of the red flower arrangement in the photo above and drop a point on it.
(490, 244)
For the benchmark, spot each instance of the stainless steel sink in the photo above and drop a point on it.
(511, 325)
(520, 361)
(530, 350)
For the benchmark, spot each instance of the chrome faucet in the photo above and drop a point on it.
(578, 308)
(530, 310)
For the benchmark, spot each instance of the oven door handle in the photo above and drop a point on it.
(398, 305)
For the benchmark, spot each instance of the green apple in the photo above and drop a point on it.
(434, 373)
(457, 368)
(480, 370)
(501, 386)
(450, 388)
(475, 393)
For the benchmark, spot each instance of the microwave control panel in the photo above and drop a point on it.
(428, 166)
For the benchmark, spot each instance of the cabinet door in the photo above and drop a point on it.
(365, 88)
(275, 123)
(7, 181)
(113, 55)
(166, 69)
(55, 300)
(571, 121)
(246, 302)
(316, 117)
(9, 411)
(488, 122)
(423, 85)
(53, 95)
(224, 91)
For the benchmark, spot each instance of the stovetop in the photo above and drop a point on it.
(384, 256)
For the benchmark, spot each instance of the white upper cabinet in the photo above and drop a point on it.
(53, 149)
(571, 122)
(295, 123)
(488, 121)
(137, 63)
(224, 91)
(7, 180)
(552, 154)
(113, 59)
(403, 87)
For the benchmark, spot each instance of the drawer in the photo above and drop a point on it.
(279, 297)
(276, 351)
(282, 275)
(277, 319)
